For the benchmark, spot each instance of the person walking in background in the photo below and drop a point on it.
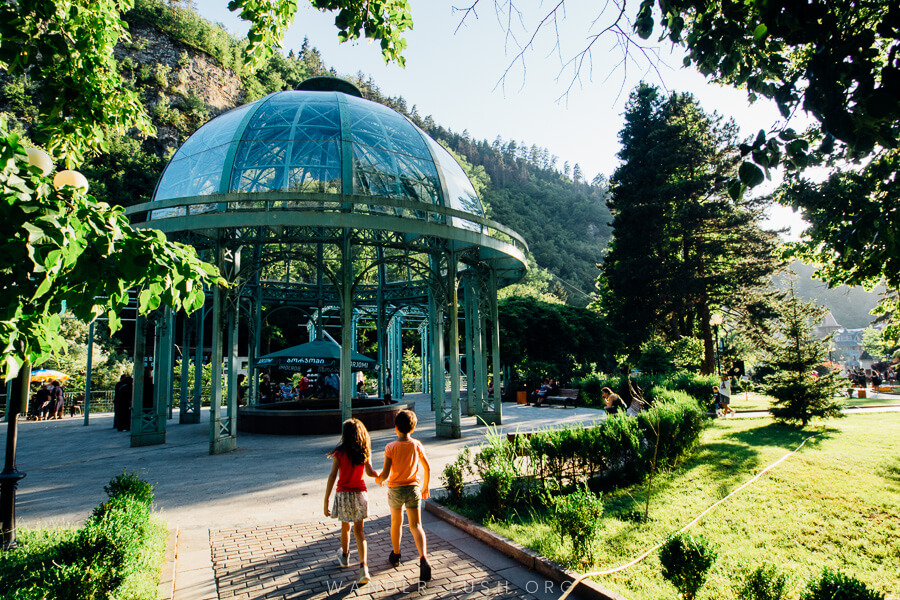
(57, 400)
(122, 403)
(350, 458)
(42, 402)
(725, 393)
(407, 473)
(388, 384)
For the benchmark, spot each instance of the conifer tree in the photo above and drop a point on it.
(681, 246)
(794, 352)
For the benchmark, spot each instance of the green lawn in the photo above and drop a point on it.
(836, 503)
(756, 401)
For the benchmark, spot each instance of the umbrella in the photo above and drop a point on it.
(326, 356)
(48, 375)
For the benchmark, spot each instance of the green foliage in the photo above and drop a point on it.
(794, 353)
(766, 582)
(837, 586)
(129, 484)
(551, 340)
(577, 516)
(685, 560)
(382, 20)
(115, 555)
(495, 463)
(454, 475)
(707, 251)
(69, 54)
(526, 471)
(64, 248)
(656, 358)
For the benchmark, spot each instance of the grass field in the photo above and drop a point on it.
(835, 503)
(755, 401)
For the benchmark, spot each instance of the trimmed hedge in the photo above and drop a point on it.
(530, 469)
(698, 387)
(116, 554)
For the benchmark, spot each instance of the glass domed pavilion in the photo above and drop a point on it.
(321, 201)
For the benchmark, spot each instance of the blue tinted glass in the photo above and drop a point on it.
(192, 175)
(219, 131)
(258, 179)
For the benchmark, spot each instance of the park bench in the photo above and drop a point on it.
(565, 397)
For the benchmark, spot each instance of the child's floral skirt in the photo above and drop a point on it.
(350, 506)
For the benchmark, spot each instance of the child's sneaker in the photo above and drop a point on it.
(364, 576)
(720, 413)
(424, 570)
(343, 559)
(394, 558)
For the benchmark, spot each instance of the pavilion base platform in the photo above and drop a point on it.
(316, 416)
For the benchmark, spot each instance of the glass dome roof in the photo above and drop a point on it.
(317, 142)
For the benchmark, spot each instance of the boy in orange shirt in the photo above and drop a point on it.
(407, 473)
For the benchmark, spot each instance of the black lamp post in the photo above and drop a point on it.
(9, 478)
(715, 321)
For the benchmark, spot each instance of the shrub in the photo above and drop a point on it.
(764, 583)
(577, 516)
(677, 421)
(495, 464)
(454, 475)
(685, 560)
(129, 484)
(115, 555)
(837, 586)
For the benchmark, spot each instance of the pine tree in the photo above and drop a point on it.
(681, 247)
(794, 353)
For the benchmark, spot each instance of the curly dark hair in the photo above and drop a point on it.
(355, 442)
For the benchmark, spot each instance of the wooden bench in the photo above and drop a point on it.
(565, 397)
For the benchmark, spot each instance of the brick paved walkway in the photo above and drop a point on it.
(297, 561)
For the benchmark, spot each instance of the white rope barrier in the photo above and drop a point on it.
(683, 529)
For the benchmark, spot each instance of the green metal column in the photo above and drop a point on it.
(87, 374)
(148, 423)
(436, 352)
(137, 388)
(227, 438)
(215, 363)
(185, 360)
(495, 350)
(190, 412)
(478, 355)
(165, 374)
(449, 424)
(423, 354)
(346, 328)
(469, 312)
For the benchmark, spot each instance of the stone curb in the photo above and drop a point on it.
(167, 569)
(588, 589)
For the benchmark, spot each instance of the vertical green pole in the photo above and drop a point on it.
(87, 374)
(346, 327)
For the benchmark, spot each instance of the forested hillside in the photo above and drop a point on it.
(188, 70)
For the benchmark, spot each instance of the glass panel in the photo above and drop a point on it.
(311, 180)
(258, 179)
(460, 193)
(192, 175)
(318, 122)
(219, 131)
(379, 126)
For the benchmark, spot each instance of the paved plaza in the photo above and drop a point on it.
(249, 523)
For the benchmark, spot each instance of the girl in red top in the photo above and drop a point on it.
(351, 457)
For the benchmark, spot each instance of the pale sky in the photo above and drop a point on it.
(453, 73)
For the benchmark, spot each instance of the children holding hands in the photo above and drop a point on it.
(406, 472)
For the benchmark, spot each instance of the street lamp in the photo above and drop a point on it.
(715, 321)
